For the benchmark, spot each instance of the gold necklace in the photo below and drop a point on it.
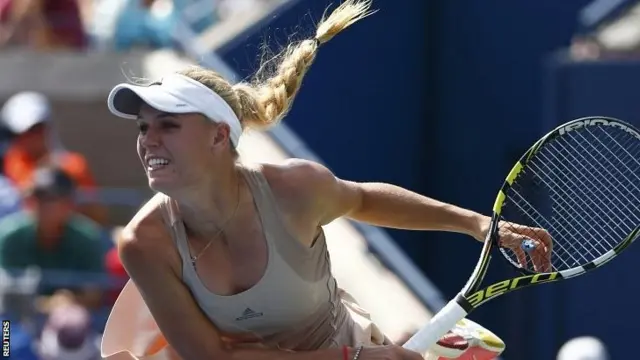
(194, 258)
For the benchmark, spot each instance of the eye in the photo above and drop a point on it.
(142, 128)
(169, 125)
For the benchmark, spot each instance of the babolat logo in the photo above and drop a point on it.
(248, 313)
(598, 121)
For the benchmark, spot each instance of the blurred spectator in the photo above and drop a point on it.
(229, 8)
(137, 25)
(583, 348)
(50, 236)
(124, 24)
(115, 268)
(10, 201)
(68, 335)
(5, 139)
(28, 115)
(42, 24)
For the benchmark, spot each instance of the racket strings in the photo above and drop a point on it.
(632, 143)
(573, 254)
(583, 188)
(562, 253)
(606, 196)
(571, 199)
(565, 231)
(539, 220)
(591, 205)
(615, 168)
(613, 172)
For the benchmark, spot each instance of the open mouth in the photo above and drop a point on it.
(156, 163)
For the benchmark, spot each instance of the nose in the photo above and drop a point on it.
(151, 138)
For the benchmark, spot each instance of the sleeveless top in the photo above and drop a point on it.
(297, 303)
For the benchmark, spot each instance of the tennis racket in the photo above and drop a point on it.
(579, 185)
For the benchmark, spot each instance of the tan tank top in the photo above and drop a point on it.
(295, 305)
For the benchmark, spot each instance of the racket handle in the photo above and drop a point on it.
(438, 326)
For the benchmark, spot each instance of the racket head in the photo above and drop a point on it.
(579, 185)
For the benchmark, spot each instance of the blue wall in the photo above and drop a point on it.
(588, 305)
(439, 97)
(488, 90)
(362, 106)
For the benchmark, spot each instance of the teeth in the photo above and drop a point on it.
(155, 162)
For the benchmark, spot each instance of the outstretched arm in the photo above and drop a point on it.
(383, 204)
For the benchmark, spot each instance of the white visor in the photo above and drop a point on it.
(177, 94)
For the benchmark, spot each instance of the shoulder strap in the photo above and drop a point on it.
(172, 218)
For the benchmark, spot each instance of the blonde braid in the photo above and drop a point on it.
(265, 103)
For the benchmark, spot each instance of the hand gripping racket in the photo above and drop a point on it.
(578, 185)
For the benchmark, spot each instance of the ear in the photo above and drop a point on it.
(221, 135)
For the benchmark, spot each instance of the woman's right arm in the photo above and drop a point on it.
(149, 258)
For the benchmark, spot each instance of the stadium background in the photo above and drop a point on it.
(439, 97)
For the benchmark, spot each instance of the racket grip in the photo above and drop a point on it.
(438, 326)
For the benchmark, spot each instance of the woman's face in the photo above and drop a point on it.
(176, 150)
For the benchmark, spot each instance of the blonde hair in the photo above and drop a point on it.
(262, 103)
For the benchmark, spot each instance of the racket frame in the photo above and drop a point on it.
(471, 296)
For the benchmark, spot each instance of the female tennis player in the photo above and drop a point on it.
(229, 260)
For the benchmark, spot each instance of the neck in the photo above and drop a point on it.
(210, 206)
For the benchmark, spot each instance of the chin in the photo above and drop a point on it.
(161, 185)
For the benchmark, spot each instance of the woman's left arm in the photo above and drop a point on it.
(386, 205)
(392, 206)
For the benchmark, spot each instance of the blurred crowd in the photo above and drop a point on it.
(60, 269)
(109, 24)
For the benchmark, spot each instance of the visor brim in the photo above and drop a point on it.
(125, 101)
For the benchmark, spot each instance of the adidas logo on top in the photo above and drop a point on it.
(248, 313)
